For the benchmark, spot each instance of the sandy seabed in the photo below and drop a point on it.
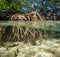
(47, 48)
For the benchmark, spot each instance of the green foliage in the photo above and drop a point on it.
(53, 1)
(14, 5)
(3, 4)
(56, 1)
(18, 5)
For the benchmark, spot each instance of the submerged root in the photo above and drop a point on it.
(13, 34)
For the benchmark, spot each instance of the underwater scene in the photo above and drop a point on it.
(30, 39)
